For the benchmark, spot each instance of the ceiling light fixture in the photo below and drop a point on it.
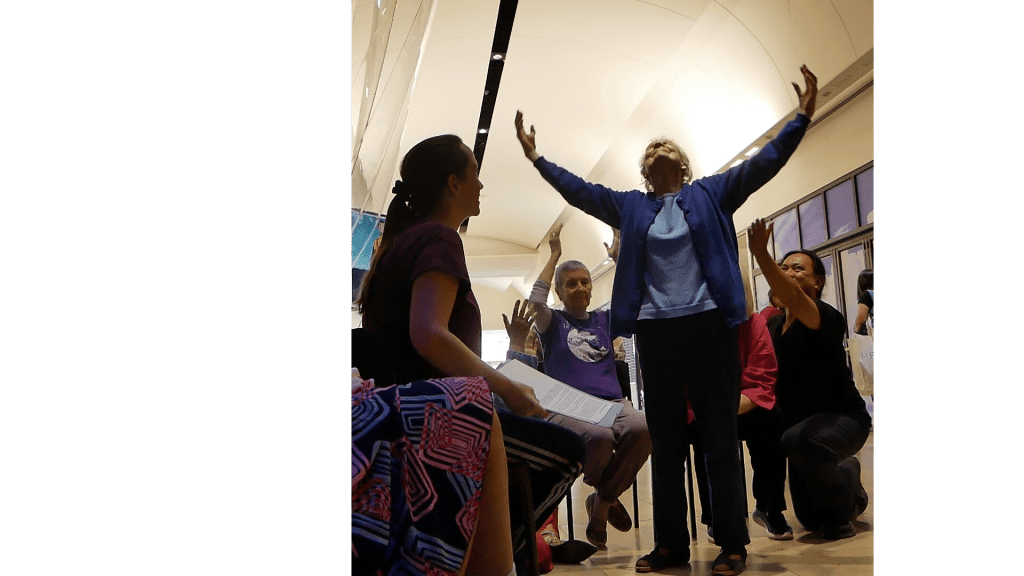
(751, 151)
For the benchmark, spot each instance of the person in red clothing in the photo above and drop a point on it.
(774, 307)
(759, 423)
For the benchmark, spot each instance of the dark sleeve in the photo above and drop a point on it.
(599, 201)
(438, 247)
(865, 299)
(833, 325)
(732, 187)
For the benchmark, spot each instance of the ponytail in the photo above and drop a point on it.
(425, 170)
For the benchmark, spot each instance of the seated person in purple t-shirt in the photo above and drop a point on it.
(578, 350)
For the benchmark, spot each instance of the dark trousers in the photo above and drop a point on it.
(555, 456)
(693, 356)
(823, 492)
(762, 431)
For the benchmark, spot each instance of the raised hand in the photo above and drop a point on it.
(528, 141)
(757, 236)
(518, 329)
(613, 250)
(808, 97)
(555, 240)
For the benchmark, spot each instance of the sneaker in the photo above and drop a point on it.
(729, 563)
(657, 561)
(775, 524)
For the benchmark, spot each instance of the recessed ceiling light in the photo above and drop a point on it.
(737, 163)
(751, 151)
(496, 57)
(482, 131)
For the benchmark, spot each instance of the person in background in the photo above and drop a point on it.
(865, 302)
(418, 301)
(578, 351)
(523, 346)
(759, 423)
(678, 287)
(825, 416)
(773, 308)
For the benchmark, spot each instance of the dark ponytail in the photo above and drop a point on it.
(425, 170)
(865, 281)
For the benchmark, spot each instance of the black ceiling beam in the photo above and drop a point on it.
(499, 53)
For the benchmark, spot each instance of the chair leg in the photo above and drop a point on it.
(636, 506)
(568, 509)
(743, 476)
(522, 475)
(693, 508)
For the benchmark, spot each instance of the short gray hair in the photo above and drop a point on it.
(568, 266)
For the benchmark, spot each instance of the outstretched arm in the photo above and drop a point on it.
(433, 297)
(613, 250)
(542, 287)
(528, 141)
(797, 304)
(735, 185)
(599, 201)
(808, 98)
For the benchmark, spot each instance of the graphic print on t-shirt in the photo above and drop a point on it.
(585, 345)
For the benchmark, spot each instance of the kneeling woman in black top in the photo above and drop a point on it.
(825, 417)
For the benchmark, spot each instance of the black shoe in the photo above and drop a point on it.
(861, 498)
(775, 524)
(839, 532)
(729, 563)
(657, 561)
(572, 552)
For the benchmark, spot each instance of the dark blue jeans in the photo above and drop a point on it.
(693, 357)
(823, 492)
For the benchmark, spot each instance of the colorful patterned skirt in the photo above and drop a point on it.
(418, 457)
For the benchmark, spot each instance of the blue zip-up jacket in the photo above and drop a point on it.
(708, 205)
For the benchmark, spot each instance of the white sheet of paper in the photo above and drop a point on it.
(559, 397)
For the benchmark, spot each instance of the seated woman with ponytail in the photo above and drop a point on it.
(417, 300)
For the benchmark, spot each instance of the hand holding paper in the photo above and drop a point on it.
(558, 397)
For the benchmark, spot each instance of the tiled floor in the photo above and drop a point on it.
(805, 555)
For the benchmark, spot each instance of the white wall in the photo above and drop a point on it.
(842, 142)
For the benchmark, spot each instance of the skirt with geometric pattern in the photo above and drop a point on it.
(418, 457)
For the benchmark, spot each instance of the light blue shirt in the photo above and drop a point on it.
(674, 281)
